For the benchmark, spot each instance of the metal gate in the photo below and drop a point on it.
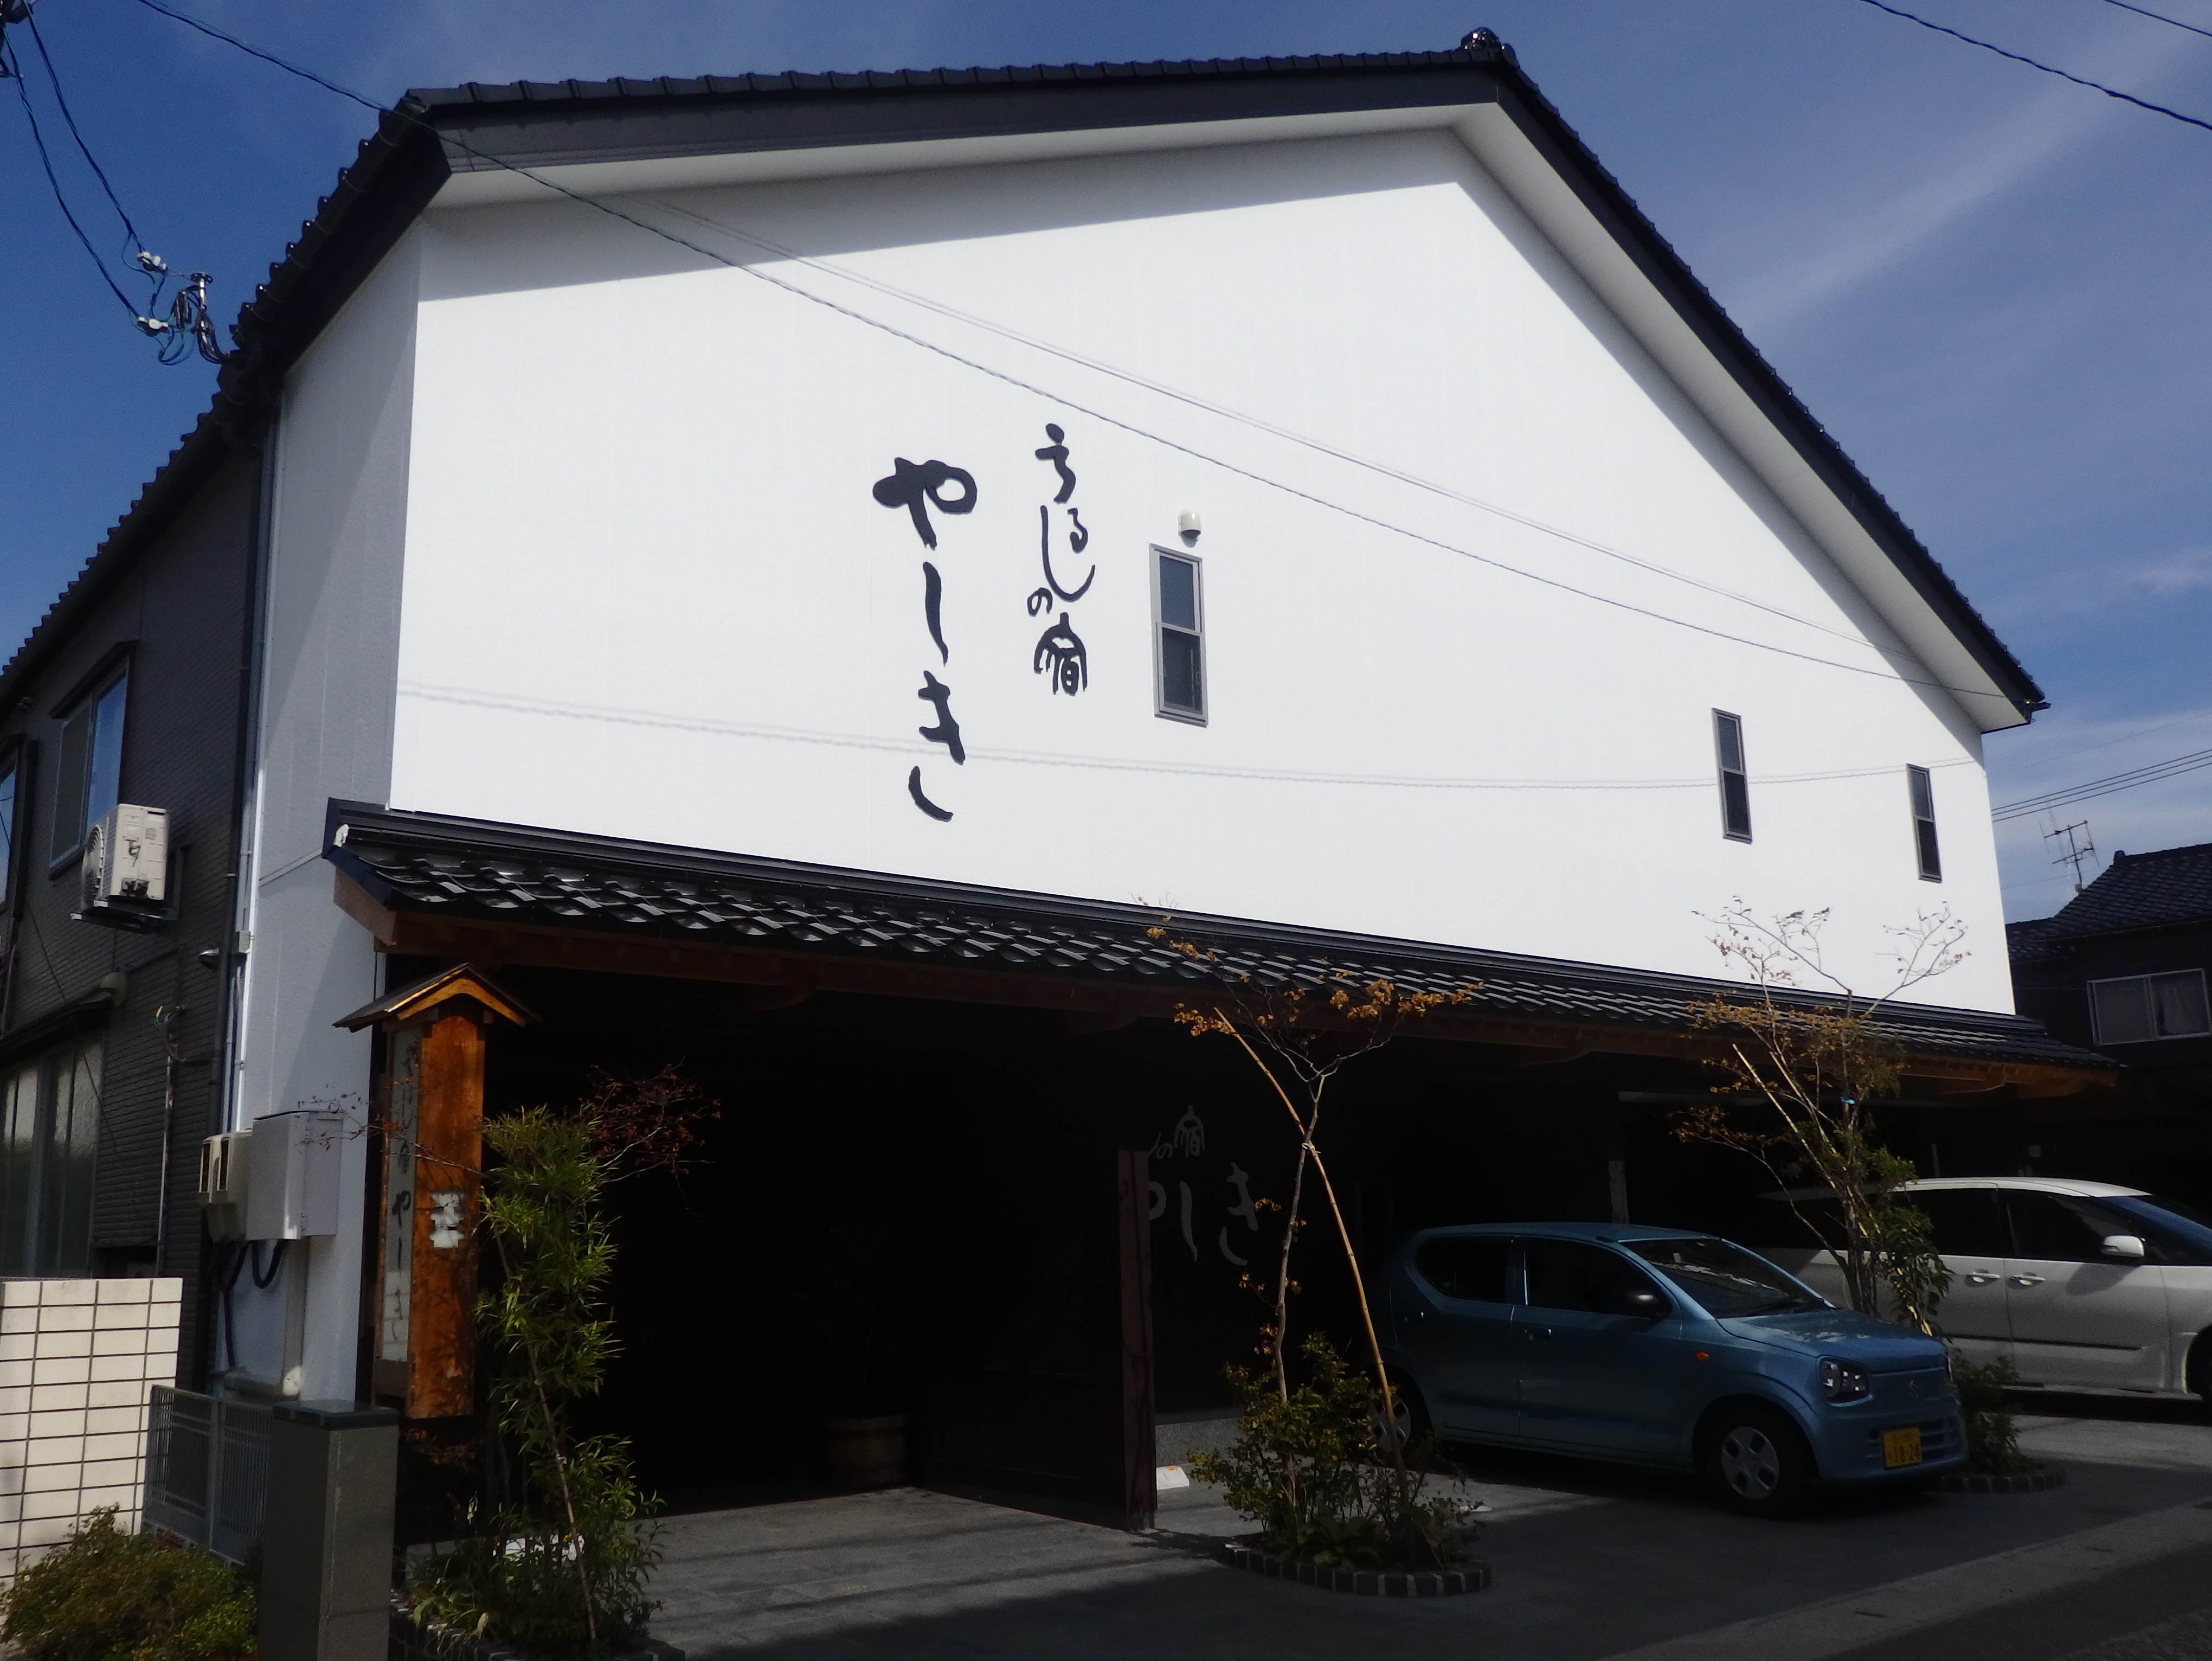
(207, 1469)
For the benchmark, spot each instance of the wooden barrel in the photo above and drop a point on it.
(867, 1453)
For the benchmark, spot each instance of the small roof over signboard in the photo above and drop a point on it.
(462, 982)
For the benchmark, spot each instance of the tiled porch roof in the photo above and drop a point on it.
(432, 865)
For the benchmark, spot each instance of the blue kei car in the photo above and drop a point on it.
(1661, 1347)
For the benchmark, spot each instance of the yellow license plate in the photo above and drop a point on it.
(1900, 1447)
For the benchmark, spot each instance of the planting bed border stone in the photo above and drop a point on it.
(2041, 1480)
(1361, 1583)
(408, 1644)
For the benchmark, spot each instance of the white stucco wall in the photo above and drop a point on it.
(331, 627)
(647, 592)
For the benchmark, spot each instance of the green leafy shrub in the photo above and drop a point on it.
(108, 1596)
(561, 1565)
(1304, 1467)
(1992, 1438)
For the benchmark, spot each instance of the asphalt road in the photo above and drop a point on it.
(1589, 1563)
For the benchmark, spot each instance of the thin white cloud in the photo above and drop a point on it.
(1922, 198)
(2177, 573)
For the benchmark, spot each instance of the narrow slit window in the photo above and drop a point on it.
(1736, 783)
(1179, 638)
(1923, 823)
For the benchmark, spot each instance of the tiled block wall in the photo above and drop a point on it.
(76, 1360)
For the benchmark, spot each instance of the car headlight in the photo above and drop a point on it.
(1842, 1381)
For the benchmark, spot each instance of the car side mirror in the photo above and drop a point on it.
(1644, 1305)
(2128, 1246)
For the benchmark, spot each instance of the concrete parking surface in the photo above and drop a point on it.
(1588, 1562)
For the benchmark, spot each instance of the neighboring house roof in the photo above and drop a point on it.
(435, 866)
(436, 136)
(2160, 889)
(2035, 940)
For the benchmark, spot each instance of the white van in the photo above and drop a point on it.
(2081, 1286)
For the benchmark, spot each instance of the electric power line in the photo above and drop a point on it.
(2173, 767)
(2142, 11)
(471, 698)
(2035, 64)
(1259, 424)
(188, 325)
(1886, 672)
(12, 67)
(148, 263)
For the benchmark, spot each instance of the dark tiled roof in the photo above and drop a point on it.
(430, 863)
(2140, 890)
(2035, 940)
(438, 132)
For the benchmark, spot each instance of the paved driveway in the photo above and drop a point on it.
(1588, 1562)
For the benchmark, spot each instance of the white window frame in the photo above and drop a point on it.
(1920, 782)
(1161, 706)
(2096, 1021)
(1722, 771)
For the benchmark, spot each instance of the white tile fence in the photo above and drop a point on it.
(76, 1360)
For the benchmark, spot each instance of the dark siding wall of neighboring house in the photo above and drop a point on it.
(2152, 1128)
(182, 611)
(2053, 987)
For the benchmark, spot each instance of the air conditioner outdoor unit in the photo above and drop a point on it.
(124, 869)
(224, 1161)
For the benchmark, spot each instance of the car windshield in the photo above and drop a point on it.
(1725, 1279)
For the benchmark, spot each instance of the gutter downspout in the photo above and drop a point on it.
(246, 753)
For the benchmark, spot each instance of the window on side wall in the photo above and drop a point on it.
(2139, 1008)
(1178, 636)
(49, 1136)
(10, 771)
(1923, 791)
(89, 779)
(1735, 782)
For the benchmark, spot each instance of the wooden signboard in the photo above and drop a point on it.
(433, 1117)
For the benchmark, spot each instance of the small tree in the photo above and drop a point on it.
(1808, 1071)
(1300, 1038)
(562, 1563)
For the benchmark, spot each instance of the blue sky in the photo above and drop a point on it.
(1989, 285)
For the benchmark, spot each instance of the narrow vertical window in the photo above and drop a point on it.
(1735, 784)
(1179, 636)
(1923, 823)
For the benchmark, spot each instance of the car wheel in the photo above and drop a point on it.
(1757, 1461)
(1408, 1413)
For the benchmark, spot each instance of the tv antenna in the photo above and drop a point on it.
(2077, 851)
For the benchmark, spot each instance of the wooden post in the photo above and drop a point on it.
(1132, 1214)
(432, 1187)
